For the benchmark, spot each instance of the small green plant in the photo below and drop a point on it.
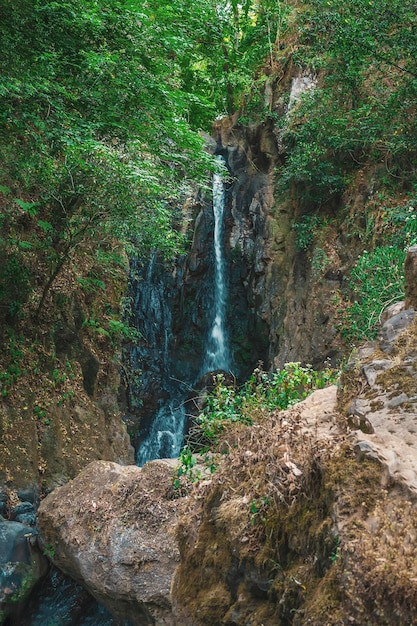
(91, 284)
(58, 377)
(223, 407)
(305, 230)
(401, 221)
(258, 508)
(335, 554)
(68, 395)
(49, 551)
(94, 325)
(13, 371)
(376, 281)
(319, 262)
(186, 468)
(39, 412)
(119, 330)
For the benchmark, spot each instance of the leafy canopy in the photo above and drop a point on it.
(363, 55)
(101, 108)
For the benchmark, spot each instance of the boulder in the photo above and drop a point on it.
(380, 399)
(21, 566)
(394, 326)
(111, 529)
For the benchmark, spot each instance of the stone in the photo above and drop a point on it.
(29, 519)
(3, 503)
(391, 310)
(372, 370)
(111, 529)
(396, 324)
(29, 494)
(397, 401)
(19, 509)
(21, 566)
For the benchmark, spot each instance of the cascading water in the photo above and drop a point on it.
(218, 354)
(165, 435)
(166, 432)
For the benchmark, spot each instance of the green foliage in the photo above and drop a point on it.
(39, 412)
(13, 360)
(112, 328)
(277, 390)
(376, 281)
(364, 105)
(285, 387)
(336, 550)
(319, 261)
(101, 105)
(258, 508)
(306, 228)
(186, 468)
(223, 407)
(401, 224)
(49, 551)
(99, 131)
(15, 281)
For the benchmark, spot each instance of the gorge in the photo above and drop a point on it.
(166, 279)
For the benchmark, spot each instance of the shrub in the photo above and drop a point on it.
(376, 281)
(263, 391)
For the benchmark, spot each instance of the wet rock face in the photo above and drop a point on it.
(21, 566)
(117, 540)
(279, 303)
(287, 293)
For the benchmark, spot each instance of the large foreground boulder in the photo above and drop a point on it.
(21, 566)
(111, 529)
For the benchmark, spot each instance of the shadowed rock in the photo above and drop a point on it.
(111, 530)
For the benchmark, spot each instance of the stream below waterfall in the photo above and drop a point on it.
(59, 601)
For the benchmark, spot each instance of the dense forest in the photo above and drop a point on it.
(109, 111)
(103, 104)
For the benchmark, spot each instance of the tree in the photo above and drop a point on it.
(363, 53)
(95, 127)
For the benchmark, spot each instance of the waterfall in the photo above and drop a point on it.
(217, 353)
(165, 435)
(164, 439)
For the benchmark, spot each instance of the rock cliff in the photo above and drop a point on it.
(60, 380)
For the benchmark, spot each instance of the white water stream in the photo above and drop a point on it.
(165, 436)
(218, 354)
